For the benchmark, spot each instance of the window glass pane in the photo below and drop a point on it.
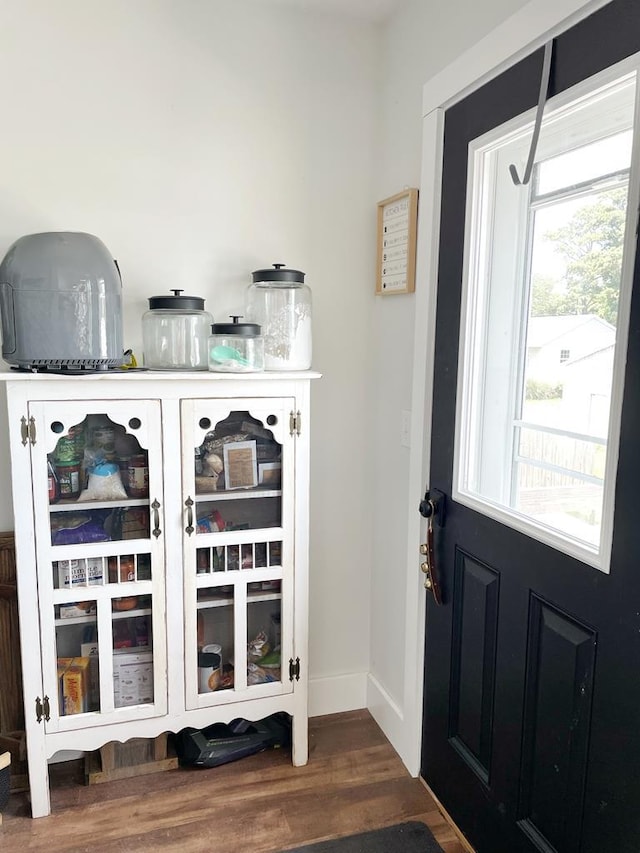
(541, 315)
(604, 157)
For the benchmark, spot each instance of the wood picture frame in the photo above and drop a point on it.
(397, 234)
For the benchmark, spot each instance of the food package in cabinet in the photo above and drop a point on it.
(90, 651)
(73, 679)
(132, 678)
(82, 572)
(80, 608)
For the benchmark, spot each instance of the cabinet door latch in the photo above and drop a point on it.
(294, 669)
(38, 710)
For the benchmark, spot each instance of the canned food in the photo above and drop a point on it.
(68, 479)
(127, 571)
(138, 476)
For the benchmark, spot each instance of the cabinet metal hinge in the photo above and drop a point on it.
(28, 430)
(295, 423)
(294, 669)
(43, 709)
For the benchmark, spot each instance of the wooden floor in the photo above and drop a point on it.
(354, 781)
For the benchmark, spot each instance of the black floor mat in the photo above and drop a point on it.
(411, 837)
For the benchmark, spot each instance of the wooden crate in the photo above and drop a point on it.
(12, 736)
(136, 757)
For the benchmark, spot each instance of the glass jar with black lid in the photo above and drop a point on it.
(175, 331)
(236, 347)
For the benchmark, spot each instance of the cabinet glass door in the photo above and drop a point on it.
(97, 480)
(238, 493)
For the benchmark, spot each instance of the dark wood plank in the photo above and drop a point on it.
(354, 782)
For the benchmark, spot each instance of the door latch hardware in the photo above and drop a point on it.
(155, 506)
(433, 504)
(294, 669)
(432, 507)
(38, 710)
(189, 505)
(46, 709)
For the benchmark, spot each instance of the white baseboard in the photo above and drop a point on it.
(389, 717)
(337, 693)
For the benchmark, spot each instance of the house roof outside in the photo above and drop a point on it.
(590, 355)
(544, 330)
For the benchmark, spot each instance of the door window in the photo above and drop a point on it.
(545, 313)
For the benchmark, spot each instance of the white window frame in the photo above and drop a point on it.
(474, 255)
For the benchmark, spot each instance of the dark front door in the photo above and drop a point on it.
(531, 733)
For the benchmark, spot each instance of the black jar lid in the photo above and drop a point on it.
(243, 330)
(177, 302)
(279, 274)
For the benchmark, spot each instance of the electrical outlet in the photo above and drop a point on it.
(405, 428)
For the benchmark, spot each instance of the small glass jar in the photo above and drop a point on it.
(175, 332)
(236, 347)
(280, 302)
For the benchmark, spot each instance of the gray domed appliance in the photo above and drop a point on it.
(61, 303)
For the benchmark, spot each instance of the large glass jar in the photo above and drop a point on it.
(280, 302)
(175, 333)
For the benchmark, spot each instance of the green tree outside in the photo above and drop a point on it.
(591, 244)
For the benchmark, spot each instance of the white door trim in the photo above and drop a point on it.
(512, 40)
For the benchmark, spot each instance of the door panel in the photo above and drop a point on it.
(475, 623)
(532, 706)
(558, 697)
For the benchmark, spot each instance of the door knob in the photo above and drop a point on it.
(431, 508)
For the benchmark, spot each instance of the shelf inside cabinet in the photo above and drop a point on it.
(237, 494)
(77, 620)
(74, 506)
(115, 614)
(226, 600)
(129, 614)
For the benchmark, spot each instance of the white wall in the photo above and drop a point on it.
(418, 41)
(203, 139)
(200, 140)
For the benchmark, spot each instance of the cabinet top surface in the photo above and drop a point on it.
(8, 375)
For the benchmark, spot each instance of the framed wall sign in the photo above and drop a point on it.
(397, 229)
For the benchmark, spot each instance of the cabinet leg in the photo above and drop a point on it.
(39, 788)
(299, 741)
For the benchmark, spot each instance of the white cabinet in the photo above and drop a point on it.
(162, 536)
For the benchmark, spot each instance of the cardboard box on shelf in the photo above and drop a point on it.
(82, 608)
(73, 680)
(132, 678)
(135, 523)
(90, 651)
(84, 572)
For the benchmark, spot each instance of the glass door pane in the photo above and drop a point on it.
(239, 554)
(98, 498)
